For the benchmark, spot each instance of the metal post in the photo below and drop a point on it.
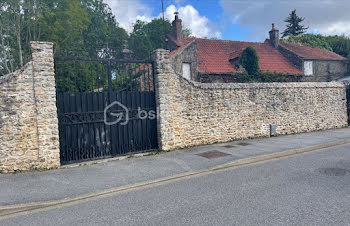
(109, 77)
(163, 25)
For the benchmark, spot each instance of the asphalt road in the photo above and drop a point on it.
(306, 189)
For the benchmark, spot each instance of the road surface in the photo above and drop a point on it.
(305, 189)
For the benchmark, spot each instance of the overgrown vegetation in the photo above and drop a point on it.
(250, 61)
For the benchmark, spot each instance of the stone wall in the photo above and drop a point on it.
(327, 70)
(28, 115)
(193, 113)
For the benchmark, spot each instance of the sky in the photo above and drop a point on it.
(242, 20)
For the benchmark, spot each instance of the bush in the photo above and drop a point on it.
(250, 61)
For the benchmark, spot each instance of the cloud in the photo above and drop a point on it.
(199, 25)
(127, 12)
(328, 17)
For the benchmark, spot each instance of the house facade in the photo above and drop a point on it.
(214, 61)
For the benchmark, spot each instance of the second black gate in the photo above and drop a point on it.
(106, 107)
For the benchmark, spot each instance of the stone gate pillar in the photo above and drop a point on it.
(45, 104)
(162, 72)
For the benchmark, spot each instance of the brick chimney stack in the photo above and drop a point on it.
(177, 29)
(274, 36)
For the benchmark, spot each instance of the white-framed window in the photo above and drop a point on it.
(308, 68)
(186, 70)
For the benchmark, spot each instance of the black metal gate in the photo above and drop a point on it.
(348, 102)
(106, 107)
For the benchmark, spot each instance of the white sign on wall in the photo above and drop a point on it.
(186, 70)
(308, 69)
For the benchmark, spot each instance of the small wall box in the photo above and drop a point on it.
(273, 128)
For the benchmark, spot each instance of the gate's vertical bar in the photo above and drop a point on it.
(119, 129)
(153, 78)
(84, 127)
(348, 102)
(109, 77)
(110, 99)
(68, 132)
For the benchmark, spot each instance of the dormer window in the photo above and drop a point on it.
(235, 62)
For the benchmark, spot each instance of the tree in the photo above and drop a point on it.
(294, 26)
(7, 45)
(103, 30)
(147, 37)
(11, 34)
(186, 32)
(65, 24)
(250, 61)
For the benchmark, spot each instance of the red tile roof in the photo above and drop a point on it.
(179, 49)
(308, 52)
(214, 56)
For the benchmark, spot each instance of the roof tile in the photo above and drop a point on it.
(308, 52)
(214, 56)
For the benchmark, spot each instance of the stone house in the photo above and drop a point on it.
(214, 61)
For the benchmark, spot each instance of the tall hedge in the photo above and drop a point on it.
(250, 61)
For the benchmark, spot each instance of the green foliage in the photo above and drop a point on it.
(250, 61)
(103, 29)
(147, 37)
(294, 26)
(318, 41)
(125, 81)
(84, 24)
(75, 76)
(14, 30)
(65, 24)
(340, 45)
(186, 32)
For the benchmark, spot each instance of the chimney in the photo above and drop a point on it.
(177, 29)
(126, 52)
(274, 36)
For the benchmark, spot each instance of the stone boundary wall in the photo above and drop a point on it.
(28, 115)
(193, 113)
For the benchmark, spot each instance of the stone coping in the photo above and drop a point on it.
(271, 85)
(14, 74)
